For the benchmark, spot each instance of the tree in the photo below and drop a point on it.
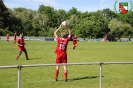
(72, 11)
(4, 16)
(84, 28)
(126, 19)
(46, 19)
(107, 13)
(61, 16)
(49, 13)
(119, 28)
(93, 26)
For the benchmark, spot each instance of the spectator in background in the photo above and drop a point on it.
(7, 37)
(105, 38)
(14, 38)
(129, 39)
(74, 41)
(22, 35)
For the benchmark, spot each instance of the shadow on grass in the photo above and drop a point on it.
(86, 77)
(33, 58)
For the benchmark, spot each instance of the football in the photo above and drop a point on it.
(64, 23)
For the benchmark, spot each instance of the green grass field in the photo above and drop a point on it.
(82, 76)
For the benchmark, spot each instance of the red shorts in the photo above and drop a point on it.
(61, 58)
(74, 43)
(7, 39)
(21, 49)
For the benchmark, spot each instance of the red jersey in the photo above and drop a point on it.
(7, 36)
(62, 45)
(20, 41)
(74, 40)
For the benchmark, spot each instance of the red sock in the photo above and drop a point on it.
(56, 74)
(65, 74)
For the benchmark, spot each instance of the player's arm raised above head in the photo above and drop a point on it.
(69, 31)
(55, 33)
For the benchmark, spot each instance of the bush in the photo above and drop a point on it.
(4, 32)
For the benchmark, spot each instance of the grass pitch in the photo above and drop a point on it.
(83, 76)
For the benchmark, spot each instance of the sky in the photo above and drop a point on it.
(81, 5)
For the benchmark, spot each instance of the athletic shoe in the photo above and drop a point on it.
(56, 80)
(27, 58)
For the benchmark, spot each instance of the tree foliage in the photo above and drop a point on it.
(46, 19)
(4, 16)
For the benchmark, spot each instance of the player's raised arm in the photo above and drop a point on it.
(69, 31)
(55, 33)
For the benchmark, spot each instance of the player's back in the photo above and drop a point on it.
(62, 45)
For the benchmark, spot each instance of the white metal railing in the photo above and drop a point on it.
(68, 64)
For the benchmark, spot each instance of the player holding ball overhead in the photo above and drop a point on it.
(21, 47)
(61, 50)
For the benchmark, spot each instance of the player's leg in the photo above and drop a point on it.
(65, 73)
(58, 60)
(7, 40)
(57, 73)
(65, 67)
(26, 54)
(74, 46)
(14, 42)
(20, 52)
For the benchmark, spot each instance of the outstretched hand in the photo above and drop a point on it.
(60, 26)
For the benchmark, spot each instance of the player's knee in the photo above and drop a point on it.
(57, 67)
(20, 52)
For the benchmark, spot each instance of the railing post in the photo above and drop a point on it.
(19, 75)
(100, 75)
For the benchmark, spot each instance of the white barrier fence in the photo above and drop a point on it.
(53, 39)
(68, 64)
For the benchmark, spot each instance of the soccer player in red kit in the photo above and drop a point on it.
(21, 47)
(74, 41)
(14, 38)
(61, 49)
(7, 37)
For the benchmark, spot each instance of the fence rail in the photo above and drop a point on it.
(53, 39)
(68, 64)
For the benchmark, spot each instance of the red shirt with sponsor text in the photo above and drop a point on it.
(21, 42)
(61, 45)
